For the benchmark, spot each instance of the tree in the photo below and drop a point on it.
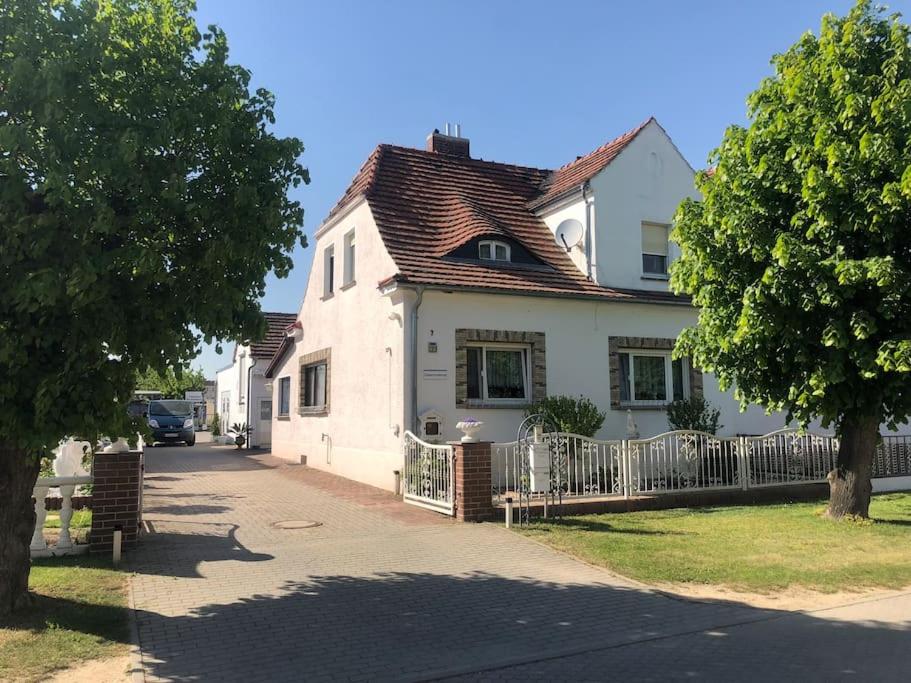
(798, 255)
(143, 200)
(171, 383)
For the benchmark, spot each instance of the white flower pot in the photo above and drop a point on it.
(470, 431)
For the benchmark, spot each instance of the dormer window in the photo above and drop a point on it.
(490, 250)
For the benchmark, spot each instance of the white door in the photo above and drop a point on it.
(264, 432)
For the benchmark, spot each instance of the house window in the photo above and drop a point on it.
(489, 250)
(329, 271)
(313, 386)
(498, 373)
(284, 396)
(654, 250)
(651, 377)
(348, 270)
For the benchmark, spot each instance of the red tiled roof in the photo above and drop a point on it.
(278, 323)
(426, 204)
(568, 178)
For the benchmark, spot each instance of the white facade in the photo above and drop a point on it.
(244, 397)
(644, 184)
(358, 435)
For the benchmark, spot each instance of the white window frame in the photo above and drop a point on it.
(329, 271)
(493, 244)
(654, 275)
(350, 253)
(668, 377)
(526, 372)
(284, 381)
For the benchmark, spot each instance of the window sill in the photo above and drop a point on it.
(285, 418)
(314, 412)
(656, 276)
(662, 406)
(348, 285)
(478, 403)
(326, 297)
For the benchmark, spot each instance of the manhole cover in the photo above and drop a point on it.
(296, 524)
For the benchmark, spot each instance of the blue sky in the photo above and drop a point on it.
(531, 82)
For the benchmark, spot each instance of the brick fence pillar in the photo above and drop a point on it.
(473, 497)
(116, 499)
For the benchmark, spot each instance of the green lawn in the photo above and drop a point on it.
(753, 548)
(82, 519)
(79, 614)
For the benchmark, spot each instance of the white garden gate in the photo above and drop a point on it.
(429, 475)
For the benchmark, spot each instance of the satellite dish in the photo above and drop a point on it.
(569, 233)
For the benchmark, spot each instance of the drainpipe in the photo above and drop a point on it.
(249, 399)
(414, 358)
(589, 237)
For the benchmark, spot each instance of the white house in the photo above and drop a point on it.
(243, 394)
(444, 287)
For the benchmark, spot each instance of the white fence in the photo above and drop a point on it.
(429, 475)
(64, 545)
(670, 463)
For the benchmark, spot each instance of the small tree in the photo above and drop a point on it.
(693, 413)
(171, 383)
(143, 201)
(798, 255)
(570, 414)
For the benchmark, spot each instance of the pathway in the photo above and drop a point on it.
(384, 591)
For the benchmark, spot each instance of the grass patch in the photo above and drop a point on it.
(82, 519)
(80, 613)
(758, 548)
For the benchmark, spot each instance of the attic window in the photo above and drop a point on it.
(489, 250)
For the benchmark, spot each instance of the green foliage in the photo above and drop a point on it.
(570, 414)
(215, 425)
(171, 383)
(240, 433)
(693, 413)
(143, 201)
(798, 256)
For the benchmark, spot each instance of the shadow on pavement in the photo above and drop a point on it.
(180, 554)
(415, 626)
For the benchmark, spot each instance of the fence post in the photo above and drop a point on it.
(626, 467)
(744, 463)
(116, 496)
(472, 481)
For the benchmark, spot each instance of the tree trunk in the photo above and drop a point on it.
(18, 473)
(849, 482)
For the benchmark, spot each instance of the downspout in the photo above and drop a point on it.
(249, 399)
(589, 238)
(414, 358)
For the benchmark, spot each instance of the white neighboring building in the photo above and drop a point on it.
(438, 290)
(243, 394)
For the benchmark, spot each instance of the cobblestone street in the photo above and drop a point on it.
(384, 591)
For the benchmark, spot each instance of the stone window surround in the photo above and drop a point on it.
(304, 361)
(535, 340)
(614, 344)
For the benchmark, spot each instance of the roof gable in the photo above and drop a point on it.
(568, 178)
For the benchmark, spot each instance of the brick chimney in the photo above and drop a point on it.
(444, 143)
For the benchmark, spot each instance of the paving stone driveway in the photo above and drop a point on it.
(383, 591)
